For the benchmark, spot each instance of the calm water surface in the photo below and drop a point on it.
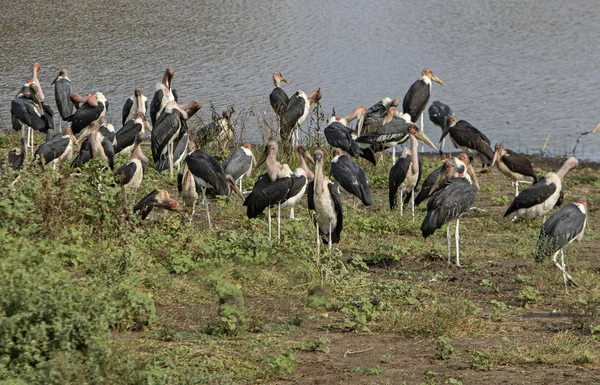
(517, 70)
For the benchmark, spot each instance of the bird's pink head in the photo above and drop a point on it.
(247, 145)
(463, 157)
(337, 152)
(581, 200)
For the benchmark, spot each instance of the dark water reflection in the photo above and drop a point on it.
(515, 69)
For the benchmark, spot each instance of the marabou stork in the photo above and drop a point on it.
(62, 93)
(131, 174)
(538, 199)
(59, 147)
(29, 113)
(125, 137)
(108, 130)
(278, 98)
(271, 188)
(426, 187)
(137, 103)
(210, 173)
(188, 186)
(96, 145)
(220, 130)
(450, 201)
(16, 155)
(469, 139)
(394, 132)
(295, 114)
(157, 198)
(300, 178)
(170, 127)
(418, 94)
(515, 166)
(324, 199)
(406, 173)
(351, 177)
(438, 114)
(338, 135)
(92, 108)
(239, 163)
(164, 94)
(378, 115)
(563, 227)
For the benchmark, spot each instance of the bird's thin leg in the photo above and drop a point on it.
(170, 149)
(59, 125)
(292, 213)
(279, 223)
(330, 243)
(318, 245)
(241, 189)
(562, 260)
(193, 209)
(401, 202)
(269, 220)
(449, 238)
(516, 187)
(206, 205)
(354, 201)
(412, 203)
(442, 147)
(423, 131)
(457, 238)
(54, 165)
(393, 155)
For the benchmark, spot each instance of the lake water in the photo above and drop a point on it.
(515, 69)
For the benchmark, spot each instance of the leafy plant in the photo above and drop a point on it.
(444, 349)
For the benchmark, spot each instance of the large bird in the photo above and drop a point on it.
(405, 174)
(137, 103)
(239, 163)
(125, 137)
(324, 199)
(59, 147)
(162, 96)
(170, 127)
(92, 108)
(131, 174)
(393, 133)
(179, 154)
(278, 98)
(451, 200)
(156, 198)
(417, 96)
(95, 145)
(16, 155)
(465, 136)
(220, 131)
(439, 113)
(210, 173)
(28, 112)
(300, 178)
(378, 115)
(515, 166)
(62, 93)
(563, 227)
(338, 135)
(295, 114)
(538, 199)
(351, 177)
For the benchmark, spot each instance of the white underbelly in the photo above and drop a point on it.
(325, 212)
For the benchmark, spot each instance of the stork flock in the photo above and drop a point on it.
(450, 190)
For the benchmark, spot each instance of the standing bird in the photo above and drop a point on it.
(137, 103)
(92, 108)
(179, 154)
(29, 113)
(59, 147)
(405, 174)
(170, 127)
(210, 173)
(351, 177)
(125, 137)
(439, 113)
(538, 199)
(469, 139)
(95, 146)
(338, 135)
(156, 198)
(324, 199)
(300, 178)
(418, 94)
(164, 94)
(278, 98)
(295, 114)
(563, 227)
(378, 115)
(451, 200)
(393, 133)
(219, 131)
(16, 156)
(62, 94)
(131, 174)
(239, 163)
(515, 166)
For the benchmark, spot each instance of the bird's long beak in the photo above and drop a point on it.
(263, 158)
(444, 133)
(55, 79)
(496, 156)
(471, 172)
(310, 158)
(283, 79)
(437, 80)
(359, 126)
(438, 181)
(423, 138)
(596, 129)
(254, 160)
(235, 189)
